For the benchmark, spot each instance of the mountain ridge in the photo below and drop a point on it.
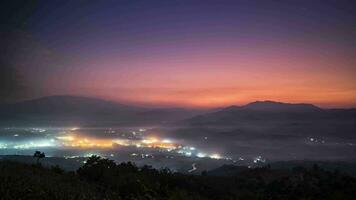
(274, 106)
(270, 111)
(79, 109)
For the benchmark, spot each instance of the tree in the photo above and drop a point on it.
(96, 168)
(39, 155)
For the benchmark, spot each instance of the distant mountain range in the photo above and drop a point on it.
(277, 106)
(69, 105)
(258, 128)
(275, 130)
(269, 111)
(76, 110)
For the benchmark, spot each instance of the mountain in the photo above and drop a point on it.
(272, 106)
(69, 105)
(267, 111)
(77, 110)
(67, 110)
(278, 106)
(274, 130)
(166, 115)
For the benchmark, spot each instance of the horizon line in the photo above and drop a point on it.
(183, 106)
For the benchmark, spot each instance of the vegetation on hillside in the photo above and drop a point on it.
(101, 178)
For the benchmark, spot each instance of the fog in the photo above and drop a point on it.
(177, 148)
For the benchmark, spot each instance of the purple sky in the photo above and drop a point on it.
(192, 53)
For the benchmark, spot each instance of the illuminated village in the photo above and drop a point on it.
(70, 138)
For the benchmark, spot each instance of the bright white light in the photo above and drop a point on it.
(149, 141)
(74, 128)
(259, 159)
(166, 141)
(3, 146)
(66, 157)
(201, 155)
(90, 154)
(34, 144)
(67, 138)
(215, 156)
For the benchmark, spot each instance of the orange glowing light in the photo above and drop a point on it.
(153, 142)
(85, 142)
(90, 142)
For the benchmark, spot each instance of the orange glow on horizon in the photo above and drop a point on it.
(220, 97)
(222, 76)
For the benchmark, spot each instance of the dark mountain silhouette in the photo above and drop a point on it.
(270, 111)
(67, 110)
(279, 106)
(165, 115)
(76, 110)
(267, 125)
(69, 105)
(272, 106)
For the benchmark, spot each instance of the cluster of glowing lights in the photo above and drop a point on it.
(215, 156)
(28, 144)
(153, 142)
(192, 151)
(259, 159)
(78, 141)
(70, 139)
(87, 142)
(3, 146)
(84, 142)
(201, 155)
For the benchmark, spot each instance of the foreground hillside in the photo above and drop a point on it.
(103, 179)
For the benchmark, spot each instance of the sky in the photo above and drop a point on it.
(196, 53)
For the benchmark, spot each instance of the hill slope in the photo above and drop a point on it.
(265, 111)
(76, 110)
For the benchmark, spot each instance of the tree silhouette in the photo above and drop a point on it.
(39, 155)
(101, 178)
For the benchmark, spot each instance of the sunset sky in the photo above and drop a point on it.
(196, 53)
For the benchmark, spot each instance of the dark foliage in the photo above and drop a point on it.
(102, 178)
(39, 155)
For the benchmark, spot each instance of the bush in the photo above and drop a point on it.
(102, 178)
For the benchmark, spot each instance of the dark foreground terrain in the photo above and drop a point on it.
(103, 179)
